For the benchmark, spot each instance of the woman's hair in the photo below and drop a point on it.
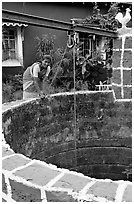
(48, 57)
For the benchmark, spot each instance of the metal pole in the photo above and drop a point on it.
(74, 75)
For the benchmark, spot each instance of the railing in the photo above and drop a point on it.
(103, 87)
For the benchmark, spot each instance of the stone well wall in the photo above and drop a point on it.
(101, 146)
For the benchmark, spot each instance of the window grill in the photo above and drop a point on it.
(85, 45)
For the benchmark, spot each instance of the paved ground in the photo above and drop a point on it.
(26, 180)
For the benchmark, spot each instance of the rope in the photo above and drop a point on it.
(74, 73)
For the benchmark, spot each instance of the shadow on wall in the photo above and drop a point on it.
(101, 146)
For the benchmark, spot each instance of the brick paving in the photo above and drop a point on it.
(26, 180)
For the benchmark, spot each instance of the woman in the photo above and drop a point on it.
(34, 76)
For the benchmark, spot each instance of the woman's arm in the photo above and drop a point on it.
(47, 73)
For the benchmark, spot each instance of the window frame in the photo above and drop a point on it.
(18, 37)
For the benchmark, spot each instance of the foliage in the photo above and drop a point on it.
(89, 72)
(105, 21)
(45, 45)
(16, 81)
(12, 88)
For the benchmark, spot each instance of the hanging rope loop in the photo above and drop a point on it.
(70, 41)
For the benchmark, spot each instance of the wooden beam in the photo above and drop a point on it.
(33, 20)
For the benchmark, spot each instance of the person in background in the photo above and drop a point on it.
(34, 76)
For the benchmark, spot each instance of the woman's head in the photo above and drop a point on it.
(46, 61)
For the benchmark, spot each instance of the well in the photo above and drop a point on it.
(97, 142)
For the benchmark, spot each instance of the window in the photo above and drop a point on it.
(12, 44)
(8, 44)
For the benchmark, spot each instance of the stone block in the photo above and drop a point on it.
(86, 169)
(114, 169)
(73, 182)
(113, 176)
(116, 59)
(6, 152)
(127, 59)
(37, 173)
(116, 158)
(128, 43)
(101, 172)
(111, 142)
(116, 76)
(127, 92)
(14, 162)
(3, 200)
(55, 196)
(127, 77)
(23, 193)
(104, 189)
(63, 159)
(124, 131)
(117, 91)
(4, 186)
(56, 149)
(127, 197)
(117, 43)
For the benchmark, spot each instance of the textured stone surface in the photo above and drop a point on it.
(3, 200)
(102, 150)
(23, 193)
(55, 196)
(117, 91)
(104, 155)
(127, 92)
(46, 131)
(127, 197)
(107, 190)
(127, 59)
(6, 152)
(116, 59)
(4, 186)
(73, 182)
(128, 43)
(14, 162)
(37, 174)
(116, 76)
(117, 43)
(127, 77)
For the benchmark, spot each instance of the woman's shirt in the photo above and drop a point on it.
(31, 72)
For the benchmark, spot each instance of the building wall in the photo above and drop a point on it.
(57, 11)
